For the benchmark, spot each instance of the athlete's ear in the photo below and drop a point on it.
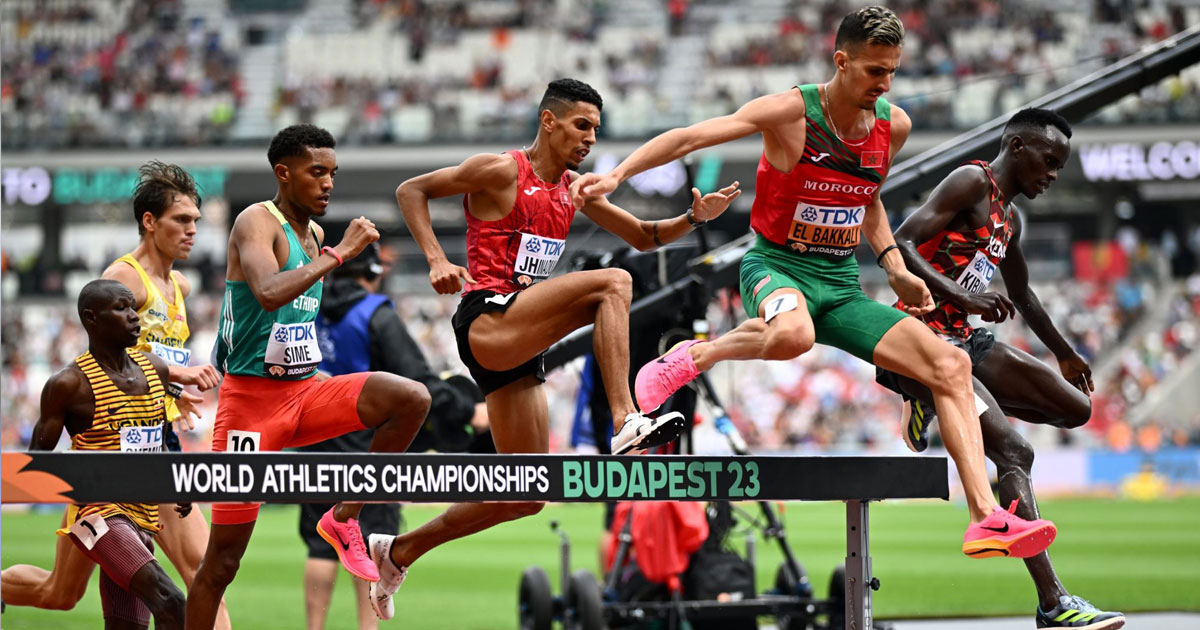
(147, 221)
(547, 119)
(281, 172)
(1016, 143)
(840, 57)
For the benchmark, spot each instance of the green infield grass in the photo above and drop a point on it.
(1122, 555)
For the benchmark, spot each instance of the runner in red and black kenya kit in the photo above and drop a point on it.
(518, 214)
(966, 231)
(826, 151)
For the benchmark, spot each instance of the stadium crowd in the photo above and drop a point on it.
(152, 74)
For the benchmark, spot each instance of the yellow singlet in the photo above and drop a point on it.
(121, 422)
(164, 325)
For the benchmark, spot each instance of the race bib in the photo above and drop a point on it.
(142, 439)
(976, 276)
(292, 350)
(173, 356)
(831, 231)
(89, 529)
(536, 258)
(242, 441)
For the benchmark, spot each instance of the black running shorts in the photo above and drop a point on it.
(978, 346)
(471, 307)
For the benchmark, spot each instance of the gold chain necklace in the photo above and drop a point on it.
(833, 125)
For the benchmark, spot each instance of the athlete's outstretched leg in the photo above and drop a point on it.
(910, 349)
(57, 589)
(783, 330)
(396, 408)
(520, 424)
(226, 546)
(1013, 456)
(183, 540)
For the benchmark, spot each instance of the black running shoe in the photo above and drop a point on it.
(916, 431)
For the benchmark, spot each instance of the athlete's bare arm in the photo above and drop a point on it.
(124, 273)
(258, 249)
(66, 403)
(185, 285)
(779, 117)
(878, 232)
(960, 202)
(163, 370)
(1016, 279)
(490, 182)
(647, 235)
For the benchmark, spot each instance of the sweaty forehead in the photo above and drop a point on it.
(583, 110)
(315, 157)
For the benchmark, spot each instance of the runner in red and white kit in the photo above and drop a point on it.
(518, 215)
(956, 241)
(826, 151)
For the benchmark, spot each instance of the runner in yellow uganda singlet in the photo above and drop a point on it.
(120, 422)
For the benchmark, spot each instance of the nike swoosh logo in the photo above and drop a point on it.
(819, 157)
(997, 225)
(979, 551)
(113, 410)
(998, 530)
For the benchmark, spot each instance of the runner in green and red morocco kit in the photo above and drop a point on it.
(826, 152)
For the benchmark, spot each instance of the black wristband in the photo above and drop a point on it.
(691, 218)
(656, 241)
(879, 260)
(173, 390)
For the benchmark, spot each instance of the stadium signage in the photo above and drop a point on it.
(35, 186)
(1137, 162)
(59, 477)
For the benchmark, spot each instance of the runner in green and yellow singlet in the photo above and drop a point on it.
(272, 396)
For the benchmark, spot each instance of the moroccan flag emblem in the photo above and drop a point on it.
(872, 159)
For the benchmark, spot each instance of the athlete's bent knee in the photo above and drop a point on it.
(788, 343)
(618, 282)
(951, 371)
(168, 604)
(1079, 413)
(62, 599)
(222, 569)
(1015, 454)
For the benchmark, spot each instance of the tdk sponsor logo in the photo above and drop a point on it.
(295, 332)
(830, 216)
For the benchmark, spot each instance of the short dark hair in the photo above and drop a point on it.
(296, 140)
(94, 293)
(869, 25)
(1035, 119)
(562, 94)
(157, 186)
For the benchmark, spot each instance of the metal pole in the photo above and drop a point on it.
(859, 582)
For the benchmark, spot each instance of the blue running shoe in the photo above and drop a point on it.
(1077, 613)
